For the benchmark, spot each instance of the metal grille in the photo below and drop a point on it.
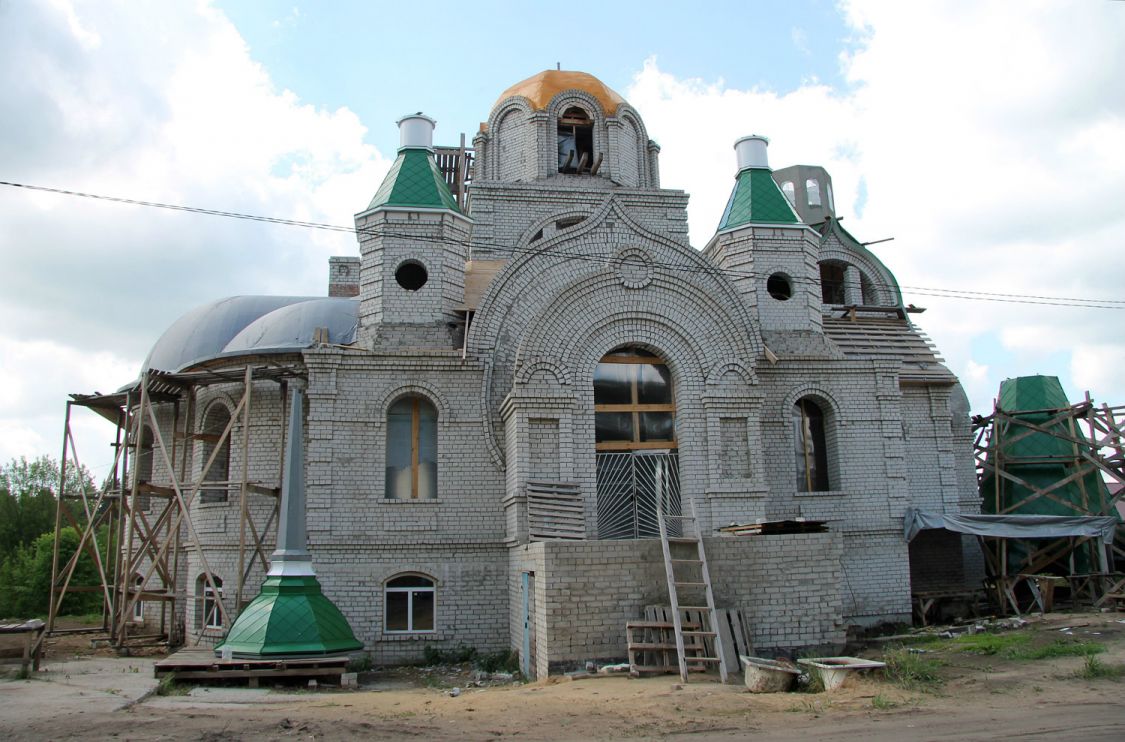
(630, 484)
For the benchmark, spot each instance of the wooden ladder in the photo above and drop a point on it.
(709, 629)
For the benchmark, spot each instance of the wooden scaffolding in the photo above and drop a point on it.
(1094, 444)
(137, 532)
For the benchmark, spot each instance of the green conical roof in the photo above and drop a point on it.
(757, 199)
(290, 616)
(414, 181)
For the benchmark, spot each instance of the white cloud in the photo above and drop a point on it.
(1098, 366)
(159, 102)
(991, 142)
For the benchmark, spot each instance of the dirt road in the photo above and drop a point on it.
(979, 696)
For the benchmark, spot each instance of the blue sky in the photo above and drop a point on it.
(986, 137)
(382, 60)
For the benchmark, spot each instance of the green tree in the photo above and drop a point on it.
(25, 577)
(27, 498)
(27, 525)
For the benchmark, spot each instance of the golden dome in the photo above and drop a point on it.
(539, 89)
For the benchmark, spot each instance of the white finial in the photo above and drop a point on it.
(416, 130)
(751, 151)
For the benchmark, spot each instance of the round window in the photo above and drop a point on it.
(779, 287)
(411, 275)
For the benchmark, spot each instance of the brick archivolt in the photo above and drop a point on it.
(547, 318)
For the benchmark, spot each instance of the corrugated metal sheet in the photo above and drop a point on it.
(890, 338)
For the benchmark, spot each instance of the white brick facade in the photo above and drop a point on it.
(595, 262)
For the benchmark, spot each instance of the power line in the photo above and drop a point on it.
(934, 292)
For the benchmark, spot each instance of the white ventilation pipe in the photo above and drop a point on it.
(751, 151)
(416, 130)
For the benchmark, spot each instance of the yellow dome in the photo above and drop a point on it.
(540, 89)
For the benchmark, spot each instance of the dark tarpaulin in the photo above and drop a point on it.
(1011, 526)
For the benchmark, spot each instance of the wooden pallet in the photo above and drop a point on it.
(652, 647)
(202, 665)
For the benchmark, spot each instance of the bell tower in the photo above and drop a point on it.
(413, 243)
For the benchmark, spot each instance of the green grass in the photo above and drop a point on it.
(883, 703)
(503, 661)
(1011, 646)
(811, 682)
(1061, 648)
(361, 663)
(1095, 669)
(911, 671)
(169, 687)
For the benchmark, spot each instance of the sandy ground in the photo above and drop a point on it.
(983, 697)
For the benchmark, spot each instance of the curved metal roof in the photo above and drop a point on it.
(231, 326)
(541, 88)
(291, 327)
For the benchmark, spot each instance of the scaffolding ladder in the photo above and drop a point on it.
(686, 528)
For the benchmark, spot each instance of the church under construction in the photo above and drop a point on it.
(523, 378)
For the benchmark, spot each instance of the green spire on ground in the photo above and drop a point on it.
(290, 616)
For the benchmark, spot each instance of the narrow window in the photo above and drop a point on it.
(812, 452)
(139, 606)
(870, 294)
(569, 222)
(812, 190)
(832, 282)
(576, 140)
(633, 403)
(409, 604)
(144, 467)
(215, 423)
(831, 201)
(411, 450)
(209, 614)
(790, 193)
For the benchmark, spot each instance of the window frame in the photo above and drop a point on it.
(139, 606)
(634, 406)
(415, 449)
(211, 436)
(571, 126)
(819, 452)
(210, 616)
(410, 591)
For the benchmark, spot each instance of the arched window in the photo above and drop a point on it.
(870, 292)
(637, 457)
(411, 449)
(576, 141)
(410, 603)
(812, 190)
(812, 448)
(789, 191)
(208, 614)
(139, 606)
(634, 407)
(144, 466)
(215, 423)
(832, 282)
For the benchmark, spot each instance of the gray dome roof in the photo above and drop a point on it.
(247, 324)
(292, 327)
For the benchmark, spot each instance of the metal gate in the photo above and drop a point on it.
(630, 484)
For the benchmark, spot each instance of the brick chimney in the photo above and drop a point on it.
(343, 276)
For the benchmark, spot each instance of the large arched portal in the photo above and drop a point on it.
(635, 439)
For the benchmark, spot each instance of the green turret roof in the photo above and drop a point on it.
(414, 181)
(290, 616)
(757, 199)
